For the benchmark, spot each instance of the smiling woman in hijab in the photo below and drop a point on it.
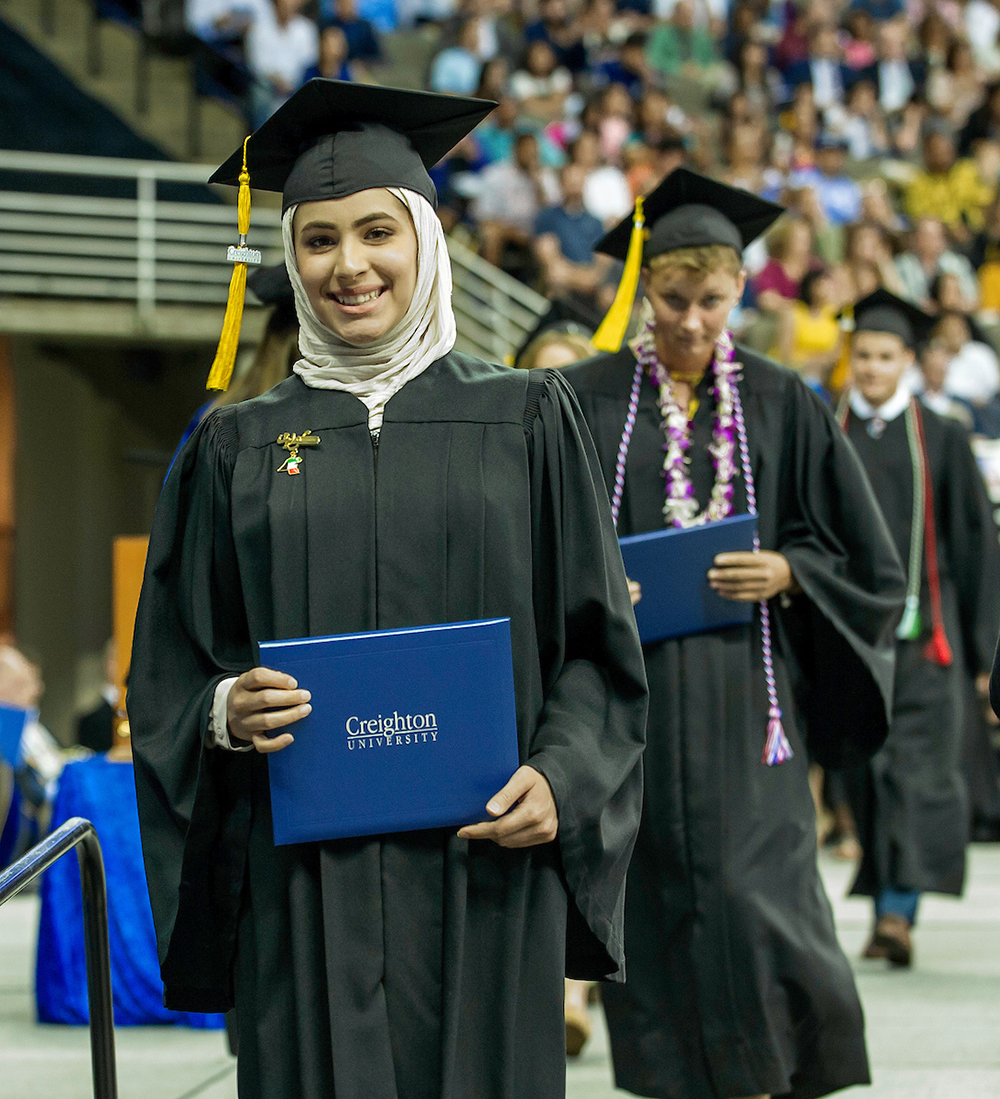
(420, 965)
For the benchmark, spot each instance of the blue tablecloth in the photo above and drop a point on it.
(103, 792)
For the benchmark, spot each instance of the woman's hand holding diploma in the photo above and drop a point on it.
(262, 700)
(526, 812)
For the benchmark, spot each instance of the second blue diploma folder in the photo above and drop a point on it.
(672, 567)
(410, 729)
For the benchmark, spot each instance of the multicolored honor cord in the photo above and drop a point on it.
(910, 626)
(777, 749)
(937, 649)
(923, 542)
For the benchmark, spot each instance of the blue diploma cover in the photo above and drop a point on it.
(410, 729)
(12, 722)
(672, 567)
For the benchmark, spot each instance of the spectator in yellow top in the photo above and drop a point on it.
(948, 189)
(985, 256)
(808, 333)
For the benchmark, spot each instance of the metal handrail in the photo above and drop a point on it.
(82, 835)
(152, 251)
(108, 167)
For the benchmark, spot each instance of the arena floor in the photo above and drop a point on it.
(934, 1032)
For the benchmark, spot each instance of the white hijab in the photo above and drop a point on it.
(373, 372)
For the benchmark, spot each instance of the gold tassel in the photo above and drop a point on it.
(240, 255)
(611, 333)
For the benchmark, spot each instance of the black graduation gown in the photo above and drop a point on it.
(414, 966)
(910, 800)
(737, 985)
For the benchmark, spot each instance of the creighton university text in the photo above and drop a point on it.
(388, 732)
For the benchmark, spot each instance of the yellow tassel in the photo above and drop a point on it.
(240, 256)
(610, 335)
(225, 356)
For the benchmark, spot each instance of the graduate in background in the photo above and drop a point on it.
(736, 985)
(423, 965)
(96, 728)
(910, 801)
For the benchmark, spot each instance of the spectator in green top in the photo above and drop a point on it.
(679, 47)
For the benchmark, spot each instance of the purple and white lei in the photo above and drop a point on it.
(680, 507)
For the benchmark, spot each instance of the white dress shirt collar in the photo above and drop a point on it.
(893, 407)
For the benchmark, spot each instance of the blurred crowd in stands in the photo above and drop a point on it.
(877, 123)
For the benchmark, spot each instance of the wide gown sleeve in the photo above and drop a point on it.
(830, 529)
(191, 632)
(591, 732)
(972, 550)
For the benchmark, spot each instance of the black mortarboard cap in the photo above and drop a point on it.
(271, 285)
(882, 311)
(689, 210)
(333, 138)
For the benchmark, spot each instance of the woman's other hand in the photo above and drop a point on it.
(262, 700)
(634, 591)
(751, 577)
(526, 812)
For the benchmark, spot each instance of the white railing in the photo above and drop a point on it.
(148, 251)
(493, 311)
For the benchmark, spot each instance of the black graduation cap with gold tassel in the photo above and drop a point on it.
(329, 140)
(687, 210)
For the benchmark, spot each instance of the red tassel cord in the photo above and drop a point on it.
(937, 649)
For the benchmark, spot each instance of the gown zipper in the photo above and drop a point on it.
(374, 438)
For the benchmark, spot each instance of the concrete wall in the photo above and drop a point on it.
(76, 490)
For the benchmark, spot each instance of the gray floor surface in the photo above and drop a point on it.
(933, 1032)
